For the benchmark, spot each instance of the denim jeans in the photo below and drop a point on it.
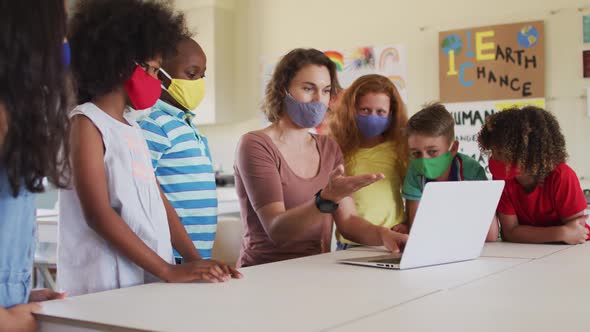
(344, 246)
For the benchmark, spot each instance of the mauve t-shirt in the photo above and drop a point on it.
(262, 177)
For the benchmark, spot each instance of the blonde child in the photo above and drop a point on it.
(367, 125)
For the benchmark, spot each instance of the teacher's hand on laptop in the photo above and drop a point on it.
(393, 241)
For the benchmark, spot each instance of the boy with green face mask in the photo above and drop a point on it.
(434, 156)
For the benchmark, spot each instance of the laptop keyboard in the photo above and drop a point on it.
(388, 260)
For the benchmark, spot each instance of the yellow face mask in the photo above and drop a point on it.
(188, 93)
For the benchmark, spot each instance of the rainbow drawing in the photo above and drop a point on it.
(389, 54)
(337, 58)
(361, 58)
(398, 81)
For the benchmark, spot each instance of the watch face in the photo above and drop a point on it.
(327, 207)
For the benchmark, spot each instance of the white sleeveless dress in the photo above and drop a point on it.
(87, 263)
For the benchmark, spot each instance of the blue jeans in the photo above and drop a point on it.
(344, 246)
(18, 229)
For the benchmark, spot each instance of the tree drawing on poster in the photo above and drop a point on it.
(387, 60)
(487, 69)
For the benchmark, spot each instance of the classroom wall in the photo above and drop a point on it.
(273, 27)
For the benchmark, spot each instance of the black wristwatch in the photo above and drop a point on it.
(324, 205)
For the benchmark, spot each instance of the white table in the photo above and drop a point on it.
(307, 294)
(518, 250)
(546, 294)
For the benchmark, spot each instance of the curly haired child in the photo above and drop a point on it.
(116, 227)
(542, 200)
(34, 126)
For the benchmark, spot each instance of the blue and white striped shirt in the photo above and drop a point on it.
(182, 162)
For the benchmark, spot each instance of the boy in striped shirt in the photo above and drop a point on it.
(180, 155)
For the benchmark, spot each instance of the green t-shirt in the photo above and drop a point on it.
(463, 168)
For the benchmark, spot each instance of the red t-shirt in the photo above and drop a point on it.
(560, 197)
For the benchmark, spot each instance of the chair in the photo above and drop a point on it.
(228, 240)
(45, 259)
(46, 250)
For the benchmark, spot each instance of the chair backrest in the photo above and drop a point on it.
(228, 240)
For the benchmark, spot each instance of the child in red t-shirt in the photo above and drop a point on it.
(542, 200)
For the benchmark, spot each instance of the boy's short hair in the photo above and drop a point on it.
(433, 120)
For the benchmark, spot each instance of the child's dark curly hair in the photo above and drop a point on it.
(108, 37)
(529, 137)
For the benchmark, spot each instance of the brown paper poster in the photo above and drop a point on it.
(492, 63)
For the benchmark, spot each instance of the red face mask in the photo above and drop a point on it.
(501, 172)
(143, 90)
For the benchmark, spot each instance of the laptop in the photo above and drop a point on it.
(451, 225)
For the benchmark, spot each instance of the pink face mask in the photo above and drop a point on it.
(143, 90)
(501, 172)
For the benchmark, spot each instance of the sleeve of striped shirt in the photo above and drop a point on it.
(207, 150)
(156, 138)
